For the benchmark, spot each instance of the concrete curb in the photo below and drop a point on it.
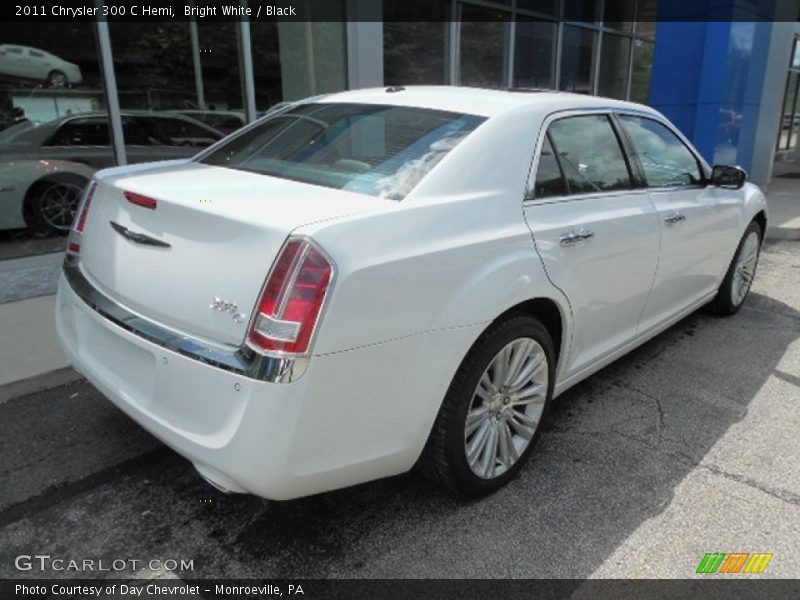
(783, 233)
(38, 383)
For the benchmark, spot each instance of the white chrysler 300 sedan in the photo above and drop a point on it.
(372, 280)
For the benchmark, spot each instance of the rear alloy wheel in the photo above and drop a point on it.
(741, 272)
(489, 420)
(52, 205)
(506, 407)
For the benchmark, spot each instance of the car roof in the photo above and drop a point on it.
(478, 101)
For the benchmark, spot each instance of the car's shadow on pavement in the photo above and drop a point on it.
(613, 451)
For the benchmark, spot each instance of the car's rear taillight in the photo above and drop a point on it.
(291, 303)
(79, 225)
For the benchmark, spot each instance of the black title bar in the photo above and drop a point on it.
(384, 10)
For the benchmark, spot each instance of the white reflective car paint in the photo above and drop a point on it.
(416, 283)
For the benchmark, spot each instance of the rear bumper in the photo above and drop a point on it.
(239, 360)
(354, 416)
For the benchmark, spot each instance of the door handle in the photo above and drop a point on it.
(674, 218)
(575, 237)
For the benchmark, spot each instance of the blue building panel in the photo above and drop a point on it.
(708, 73)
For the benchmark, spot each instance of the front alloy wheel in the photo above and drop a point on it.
(745, 267)
(741, 272)
(489, 419)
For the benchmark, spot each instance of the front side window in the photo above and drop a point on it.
(666, 160)
(371, 149)
(589, 154)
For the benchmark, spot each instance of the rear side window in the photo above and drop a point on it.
(589, 154)
(179, 132)
(378, 150)
(666, 160)
(82, 132)
(549, 179)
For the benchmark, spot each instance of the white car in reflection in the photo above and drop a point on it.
(44, 168)
(378, 279)
(24, 62)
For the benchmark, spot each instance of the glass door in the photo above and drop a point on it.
(787, 155)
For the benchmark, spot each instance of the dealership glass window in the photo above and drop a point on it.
(603, 48)
(787, 156)
(415, 36)
(295, 60)
(414, 53)
(613, 74)
(796, 55)
(581, 10)
(646, 19)
(266, 54)
(484, 43)
(534, 53)
(53, 136)
(642, 70)
(577, 53)
(171, 78)
(790, 118)
(544, 7)
(619, 14)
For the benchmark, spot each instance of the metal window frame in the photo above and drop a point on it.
(110, 88)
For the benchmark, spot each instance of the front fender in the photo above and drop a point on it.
(754, 202)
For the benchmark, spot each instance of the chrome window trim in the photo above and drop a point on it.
(241, 360)
(585, 196)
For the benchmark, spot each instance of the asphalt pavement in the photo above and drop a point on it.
(686, 446)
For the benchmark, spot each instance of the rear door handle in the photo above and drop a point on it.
(575, 237)
(674, 218)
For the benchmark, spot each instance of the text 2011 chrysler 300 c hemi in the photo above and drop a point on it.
(378, 279)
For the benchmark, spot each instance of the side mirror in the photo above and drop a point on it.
(728, 176)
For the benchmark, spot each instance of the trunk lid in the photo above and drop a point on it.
(224, 229)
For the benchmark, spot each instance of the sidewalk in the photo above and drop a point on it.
(30, 357)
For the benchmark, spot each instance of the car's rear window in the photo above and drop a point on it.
(372, 149)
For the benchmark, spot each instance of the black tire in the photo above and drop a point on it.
(40, 219)
(726, 303)
(444, 457)
(57, 79)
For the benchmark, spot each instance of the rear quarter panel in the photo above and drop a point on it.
(454, 253)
